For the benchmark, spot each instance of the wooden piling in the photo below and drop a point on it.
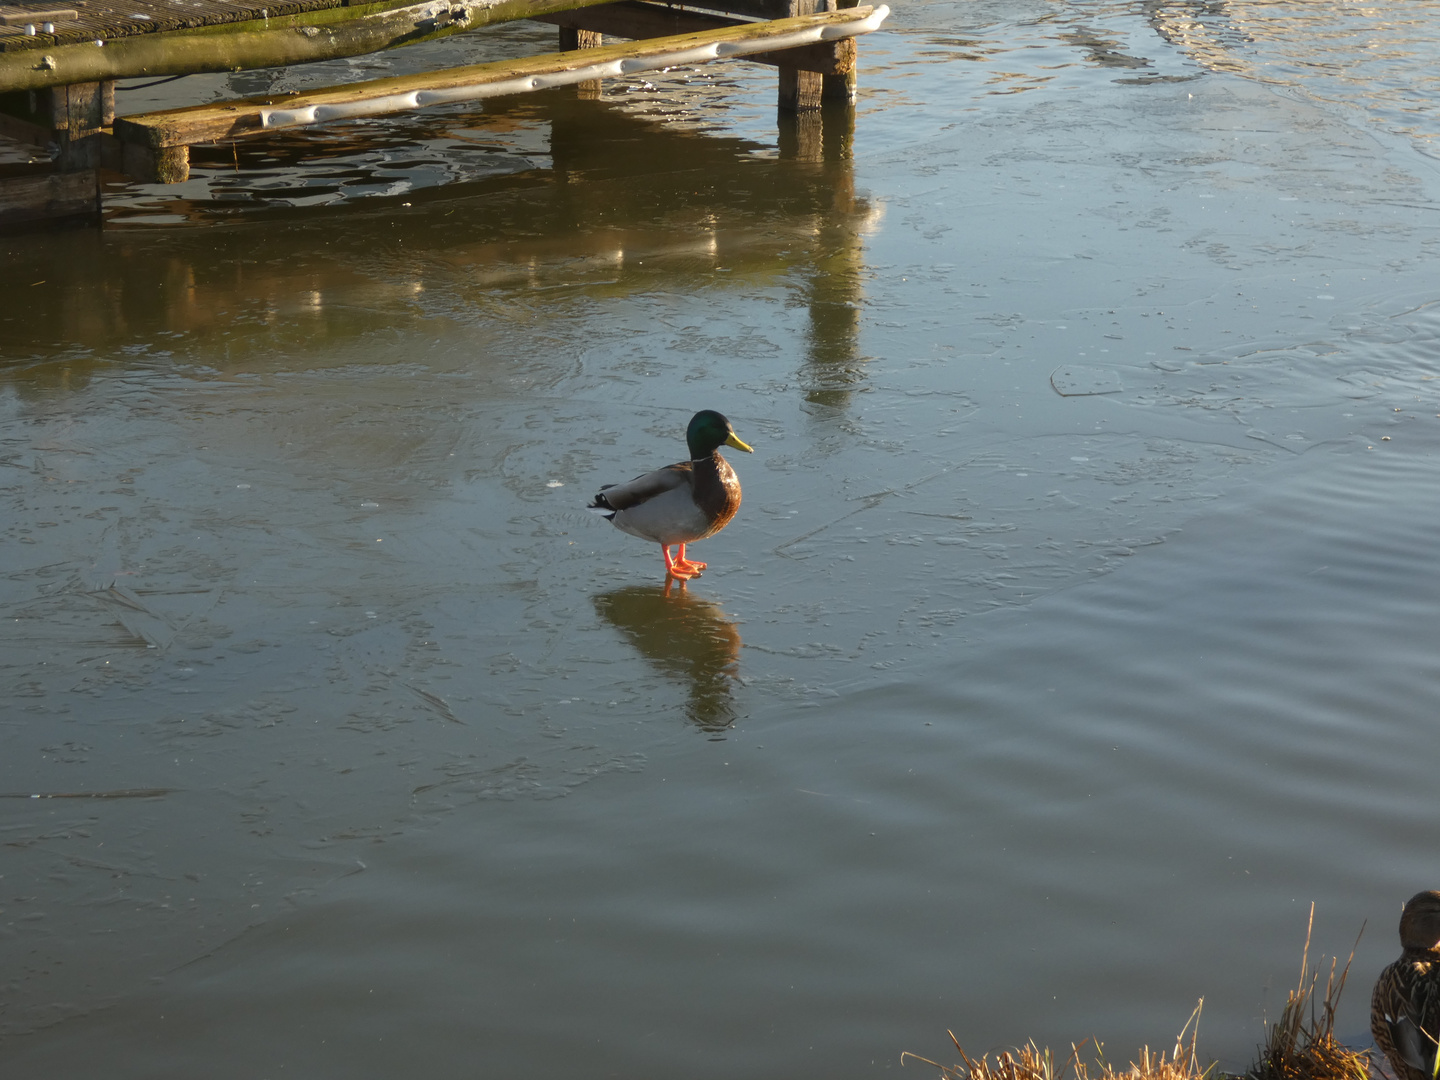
(799, 90)
(79, 113)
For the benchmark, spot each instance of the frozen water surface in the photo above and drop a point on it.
(1074, 635)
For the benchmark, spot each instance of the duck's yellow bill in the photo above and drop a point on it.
(738, 443)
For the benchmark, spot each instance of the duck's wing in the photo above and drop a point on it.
(651, 485)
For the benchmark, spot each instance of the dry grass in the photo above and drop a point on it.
(1300, 1046)
(1031, 1062)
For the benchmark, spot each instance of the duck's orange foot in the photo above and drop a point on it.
(689, 565)
(679, 567)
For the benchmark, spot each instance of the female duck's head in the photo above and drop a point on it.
(1420, 922)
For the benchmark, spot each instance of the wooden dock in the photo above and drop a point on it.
(59, 63)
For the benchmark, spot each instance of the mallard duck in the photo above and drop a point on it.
(1405, 1008)
(680, 503)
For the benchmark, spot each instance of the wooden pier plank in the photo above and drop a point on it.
(85, 21)
(247, 116)
(31, 16)
(48, 197)
(639, 20)
(312, 30)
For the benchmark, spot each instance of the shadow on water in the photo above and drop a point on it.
(685, 637)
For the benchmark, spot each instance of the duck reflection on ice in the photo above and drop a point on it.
(683, 636)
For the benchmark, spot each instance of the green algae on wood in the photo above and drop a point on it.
(324, 34)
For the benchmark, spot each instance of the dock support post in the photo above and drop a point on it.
(73, 118)
(800, 90)
(574, 38)
(78, 113)
(841, 88)
(156, 164)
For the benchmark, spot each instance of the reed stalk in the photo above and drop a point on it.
(1301, 1045)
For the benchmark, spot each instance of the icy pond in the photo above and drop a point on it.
(1077, 631)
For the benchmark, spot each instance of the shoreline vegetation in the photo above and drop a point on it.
(1300, 1045)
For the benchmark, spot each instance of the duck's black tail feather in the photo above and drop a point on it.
(601, 505)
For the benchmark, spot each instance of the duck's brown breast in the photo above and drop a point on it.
(717, 492)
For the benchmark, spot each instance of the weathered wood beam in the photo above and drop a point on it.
(323, 34)
(79, 113)
(42, 197)
(799, 90)
(574, 37)
(82, 109)
(36, 16)
(379, 97)
(155, 164)
(841, 87)
(638, 21)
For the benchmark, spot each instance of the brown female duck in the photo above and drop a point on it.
(1405, 1008)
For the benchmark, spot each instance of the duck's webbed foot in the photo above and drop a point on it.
(680, 568)
(687, 564)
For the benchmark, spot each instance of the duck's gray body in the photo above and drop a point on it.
(680, 503)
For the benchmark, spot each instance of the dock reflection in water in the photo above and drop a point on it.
(684, 637)
(598, 198)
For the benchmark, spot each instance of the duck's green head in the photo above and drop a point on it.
(708, 431)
